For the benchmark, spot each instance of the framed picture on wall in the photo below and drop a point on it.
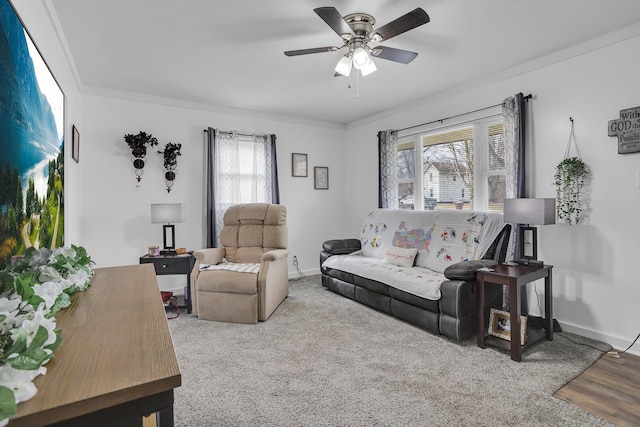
(321, 178)
(75, 144)
(299, 164)
(33, 141)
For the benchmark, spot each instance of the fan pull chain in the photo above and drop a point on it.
(357, 84)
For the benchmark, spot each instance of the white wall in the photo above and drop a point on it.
(596, 288)
(114, 217)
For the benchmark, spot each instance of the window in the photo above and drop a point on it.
(242, 170)
(406, 175)
(461, 167)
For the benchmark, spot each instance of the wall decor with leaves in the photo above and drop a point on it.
(170, 156)
(138, 144)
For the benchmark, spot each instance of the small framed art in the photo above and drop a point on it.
(299, 164)
(75, 144)
(500, 325)
(321, 178)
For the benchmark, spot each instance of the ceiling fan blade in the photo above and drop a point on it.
(332, 17)
(406, 22)
(392, 54)
(312, 50)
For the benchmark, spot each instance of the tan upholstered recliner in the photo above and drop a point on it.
(254, 237)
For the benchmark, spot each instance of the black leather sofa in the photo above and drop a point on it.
(454, 315)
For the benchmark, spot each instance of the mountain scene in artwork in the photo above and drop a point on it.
(31, 145)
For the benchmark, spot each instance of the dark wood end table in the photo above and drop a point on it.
(515, 277)
(173, 264)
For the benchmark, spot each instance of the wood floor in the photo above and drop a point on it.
(610, 389)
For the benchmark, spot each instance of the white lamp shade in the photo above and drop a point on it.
(344, 66)
(530, 211)
(369, 68)
(167, 213)
(360, 58)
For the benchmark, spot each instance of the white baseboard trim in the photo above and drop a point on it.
(616, 342)
(310, 272)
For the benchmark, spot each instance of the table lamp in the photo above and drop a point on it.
(528, 212)
(167, 214)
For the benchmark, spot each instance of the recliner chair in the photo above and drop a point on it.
(246, 279)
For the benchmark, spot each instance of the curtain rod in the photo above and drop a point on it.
(526, 98)
(241, 134)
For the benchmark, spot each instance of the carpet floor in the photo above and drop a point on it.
(324, 360)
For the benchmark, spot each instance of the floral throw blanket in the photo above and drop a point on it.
(442, 238)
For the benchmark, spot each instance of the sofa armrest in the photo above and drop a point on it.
(467, 270)
(341, 246)
(337, 247)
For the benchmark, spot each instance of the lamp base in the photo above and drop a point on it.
(168, 252)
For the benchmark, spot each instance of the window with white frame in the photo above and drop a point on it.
(459, 167)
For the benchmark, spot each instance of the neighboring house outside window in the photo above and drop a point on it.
(461, 166)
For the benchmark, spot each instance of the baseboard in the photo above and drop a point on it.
(310, 272)
(616, 342)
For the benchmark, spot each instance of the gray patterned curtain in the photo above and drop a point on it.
(514, 112)
(227, 161)
(388, 169)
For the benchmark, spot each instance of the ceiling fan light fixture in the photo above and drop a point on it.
(344, 66)
(369, 68)
(360, 58)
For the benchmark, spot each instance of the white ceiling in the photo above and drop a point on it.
(230, 53)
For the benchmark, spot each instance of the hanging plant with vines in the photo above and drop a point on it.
(569, 180)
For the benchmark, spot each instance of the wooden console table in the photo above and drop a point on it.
(515, 277)
(116, 361)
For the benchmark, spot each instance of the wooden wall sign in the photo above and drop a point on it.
(627, 129)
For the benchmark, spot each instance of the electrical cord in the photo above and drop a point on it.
(172, 301)
(612, 353)
(301, 275)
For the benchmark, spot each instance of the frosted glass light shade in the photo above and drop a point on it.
(344, 66)
(369, 68)
(360, 58)
(167, 213)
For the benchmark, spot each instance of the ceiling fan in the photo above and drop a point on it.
(357, 30)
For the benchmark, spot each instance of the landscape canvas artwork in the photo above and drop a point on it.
(31, 144)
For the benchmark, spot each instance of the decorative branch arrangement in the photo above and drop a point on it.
(170, 155)
(138, 145)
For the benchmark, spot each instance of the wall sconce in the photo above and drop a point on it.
(138, 145)
(167, 214)
(170, 155)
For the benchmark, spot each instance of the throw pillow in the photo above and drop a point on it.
(466, 270)
(400, 256)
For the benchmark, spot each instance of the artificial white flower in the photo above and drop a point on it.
(49, 292)
(9, 308)
(32, 325)
(20, 381)
(48, 274)
(67, 252)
